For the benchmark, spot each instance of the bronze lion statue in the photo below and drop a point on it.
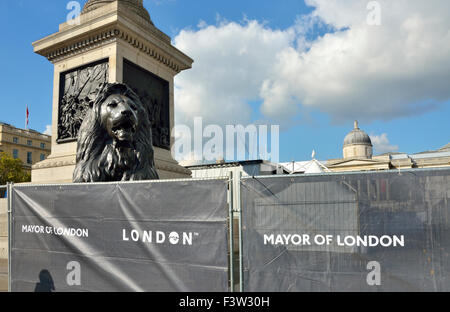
(115, 139)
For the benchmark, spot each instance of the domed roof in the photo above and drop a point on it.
(135, 6)
(357, 136)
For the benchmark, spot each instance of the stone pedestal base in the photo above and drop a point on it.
(60, 169)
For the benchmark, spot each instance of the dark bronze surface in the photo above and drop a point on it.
(78, 88)
(154, 94)
(115, 139)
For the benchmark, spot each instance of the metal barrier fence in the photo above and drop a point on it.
(3, 239)
(381, 231)
(329, 232)
(129, 236)
(5, 191)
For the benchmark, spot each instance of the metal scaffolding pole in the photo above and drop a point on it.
(231, 232)
(10, 207)
(239, 211)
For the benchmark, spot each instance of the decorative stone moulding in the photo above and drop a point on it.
(51, 164)
(109, 36)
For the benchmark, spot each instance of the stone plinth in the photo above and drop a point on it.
(108, 39)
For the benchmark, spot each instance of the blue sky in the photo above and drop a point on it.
(385, 77)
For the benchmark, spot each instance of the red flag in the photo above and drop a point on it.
(28, 114)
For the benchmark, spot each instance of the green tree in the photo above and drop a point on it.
(11, 170)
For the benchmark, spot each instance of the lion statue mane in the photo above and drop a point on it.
(115, 139)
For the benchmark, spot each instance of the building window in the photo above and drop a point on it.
(29, 142)
(42, 145)
(29, 157)
(42, 157)
(15, 154)
(16, 140)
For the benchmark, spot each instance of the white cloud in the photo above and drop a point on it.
(358, 71)
(231, 62)
(371, 72)
(48, 130)
(382, 145)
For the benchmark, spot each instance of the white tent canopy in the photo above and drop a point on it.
(307, 167)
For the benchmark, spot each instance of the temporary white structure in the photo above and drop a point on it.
(307, 167)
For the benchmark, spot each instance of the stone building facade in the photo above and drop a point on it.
(29, 146)
(358, 156)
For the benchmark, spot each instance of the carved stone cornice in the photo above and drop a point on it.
(107, 36)
(112, 23)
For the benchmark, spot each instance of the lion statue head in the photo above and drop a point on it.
(115, 139)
